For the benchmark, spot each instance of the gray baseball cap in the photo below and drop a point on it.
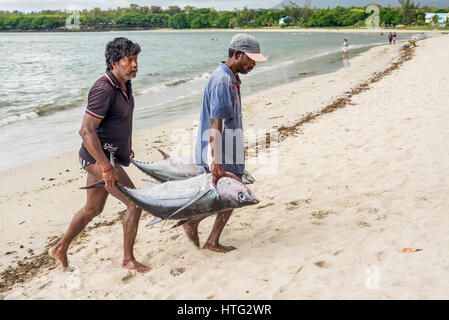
(246, 43)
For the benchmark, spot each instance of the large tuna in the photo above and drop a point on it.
(191, 198)
(173, 169)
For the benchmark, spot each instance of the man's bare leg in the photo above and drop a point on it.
(130, 220)
(96, 198)
(191, 229)
(212, 241)
(130, 224)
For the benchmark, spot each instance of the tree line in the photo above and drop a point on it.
(189, 17)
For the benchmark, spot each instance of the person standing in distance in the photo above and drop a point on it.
(345, 49)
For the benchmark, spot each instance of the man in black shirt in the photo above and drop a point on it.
(106, 129)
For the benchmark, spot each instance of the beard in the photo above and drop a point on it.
(244, 70)
(132, 74)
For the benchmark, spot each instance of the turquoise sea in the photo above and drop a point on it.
(45, 78)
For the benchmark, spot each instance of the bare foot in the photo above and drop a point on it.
(60, 255)
(218, 247)
(191, 229)
(136, 266)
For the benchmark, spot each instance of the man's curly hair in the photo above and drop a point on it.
(119, 48)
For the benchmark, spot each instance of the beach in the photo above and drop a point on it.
(361, 173)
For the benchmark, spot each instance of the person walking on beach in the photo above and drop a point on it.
(345, 49)
(394, 38)
(106, 132)
(390, 37)
(220, 124)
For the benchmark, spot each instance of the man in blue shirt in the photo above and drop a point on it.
(220, 143)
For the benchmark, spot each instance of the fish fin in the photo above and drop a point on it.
(154, 221)
(247, 178)
(151, 182)
(197, 197)
(179, 223)
(165, 155)
(149, 172)
(94, 185)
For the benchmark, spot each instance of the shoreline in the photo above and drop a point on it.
(266, 109)
(299, 29)
(193, 114)
(7, 166)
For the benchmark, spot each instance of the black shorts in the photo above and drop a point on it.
(84, 163)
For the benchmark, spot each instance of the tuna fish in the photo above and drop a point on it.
(174, 169)
(191, 198)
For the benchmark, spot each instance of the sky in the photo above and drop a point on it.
(37, 5)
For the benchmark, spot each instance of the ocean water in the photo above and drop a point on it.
(46, 78)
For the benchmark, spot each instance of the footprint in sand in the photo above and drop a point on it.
(174, 237)
(322, 264)
(336, 253)
(363, 224)
(177, 271)
(369, 210)
(321, 214)
(129, 275)
(265, 205)
(292, 205)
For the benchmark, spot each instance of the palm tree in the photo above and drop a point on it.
(409, 10)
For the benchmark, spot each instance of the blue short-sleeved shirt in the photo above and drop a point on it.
(222, 100)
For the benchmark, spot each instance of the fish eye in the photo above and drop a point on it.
(241, 196)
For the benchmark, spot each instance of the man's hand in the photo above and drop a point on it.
(217, 172)
(131, 155)
(110, 177)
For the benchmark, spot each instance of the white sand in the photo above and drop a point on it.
(353, 189)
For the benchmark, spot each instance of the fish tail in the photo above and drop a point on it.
(95, 185)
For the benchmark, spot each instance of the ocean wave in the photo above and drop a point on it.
(173, 83)
(168, 101)
(12, 115)
(18, 117)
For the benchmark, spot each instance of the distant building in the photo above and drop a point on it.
(442, 18)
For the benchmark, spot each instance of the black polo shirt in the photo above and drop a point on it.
(108, 102)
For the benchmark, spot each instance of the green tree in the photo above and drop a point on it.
(172, 10)
(156, 9)
(134, 8)
(178, 21)
(409, 11)
(293, 11)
